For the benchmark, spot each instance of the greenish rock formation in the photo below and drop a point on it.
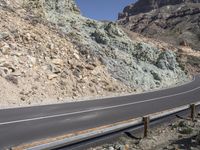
(135, 64)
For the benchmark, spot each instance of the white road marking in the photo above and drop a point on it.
(92, 110)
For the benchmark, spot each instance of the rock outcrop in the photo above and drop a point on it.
(174, 21)
(48, 50)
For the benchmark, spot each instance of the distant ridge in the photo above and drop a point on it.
(174, 21)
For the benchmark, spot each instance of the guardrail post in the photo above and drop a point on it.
(146, 120)
(192, 107)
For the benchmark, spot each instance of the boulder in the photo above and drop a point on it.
(52, 76)
(167, 60)
(100, 37)
(58, 62)
(3, 35)
(4, 48)
(11, 78)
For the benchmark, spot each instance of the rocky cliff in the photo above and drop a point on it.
(49, 51)
(174, 21)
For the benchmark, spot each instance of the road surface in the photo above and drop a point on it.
(24, 125)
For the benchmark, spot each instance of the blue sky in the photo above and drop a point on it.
(102, 9)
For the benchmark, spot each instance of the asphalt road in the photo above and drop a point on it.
(24, 125)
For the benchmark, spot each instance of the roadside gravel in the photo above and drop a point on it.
(179, 135)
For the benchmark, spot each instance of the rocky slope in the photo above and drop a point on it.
(188, 59)
(173, 21)
(39, 65)
(49, 52)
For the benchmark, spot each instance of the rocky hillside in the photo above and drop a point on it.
(173, 21)
(50, 53)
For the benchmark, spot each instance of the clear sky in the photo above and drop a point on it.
(102, 9)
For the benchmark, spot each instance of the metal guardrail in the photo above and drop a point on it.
(144, 121)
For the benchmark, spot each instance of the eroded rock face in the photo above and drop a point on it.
(143, 6)
(135, 64)
(48, 42)
(140, 66)
(174, 21)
